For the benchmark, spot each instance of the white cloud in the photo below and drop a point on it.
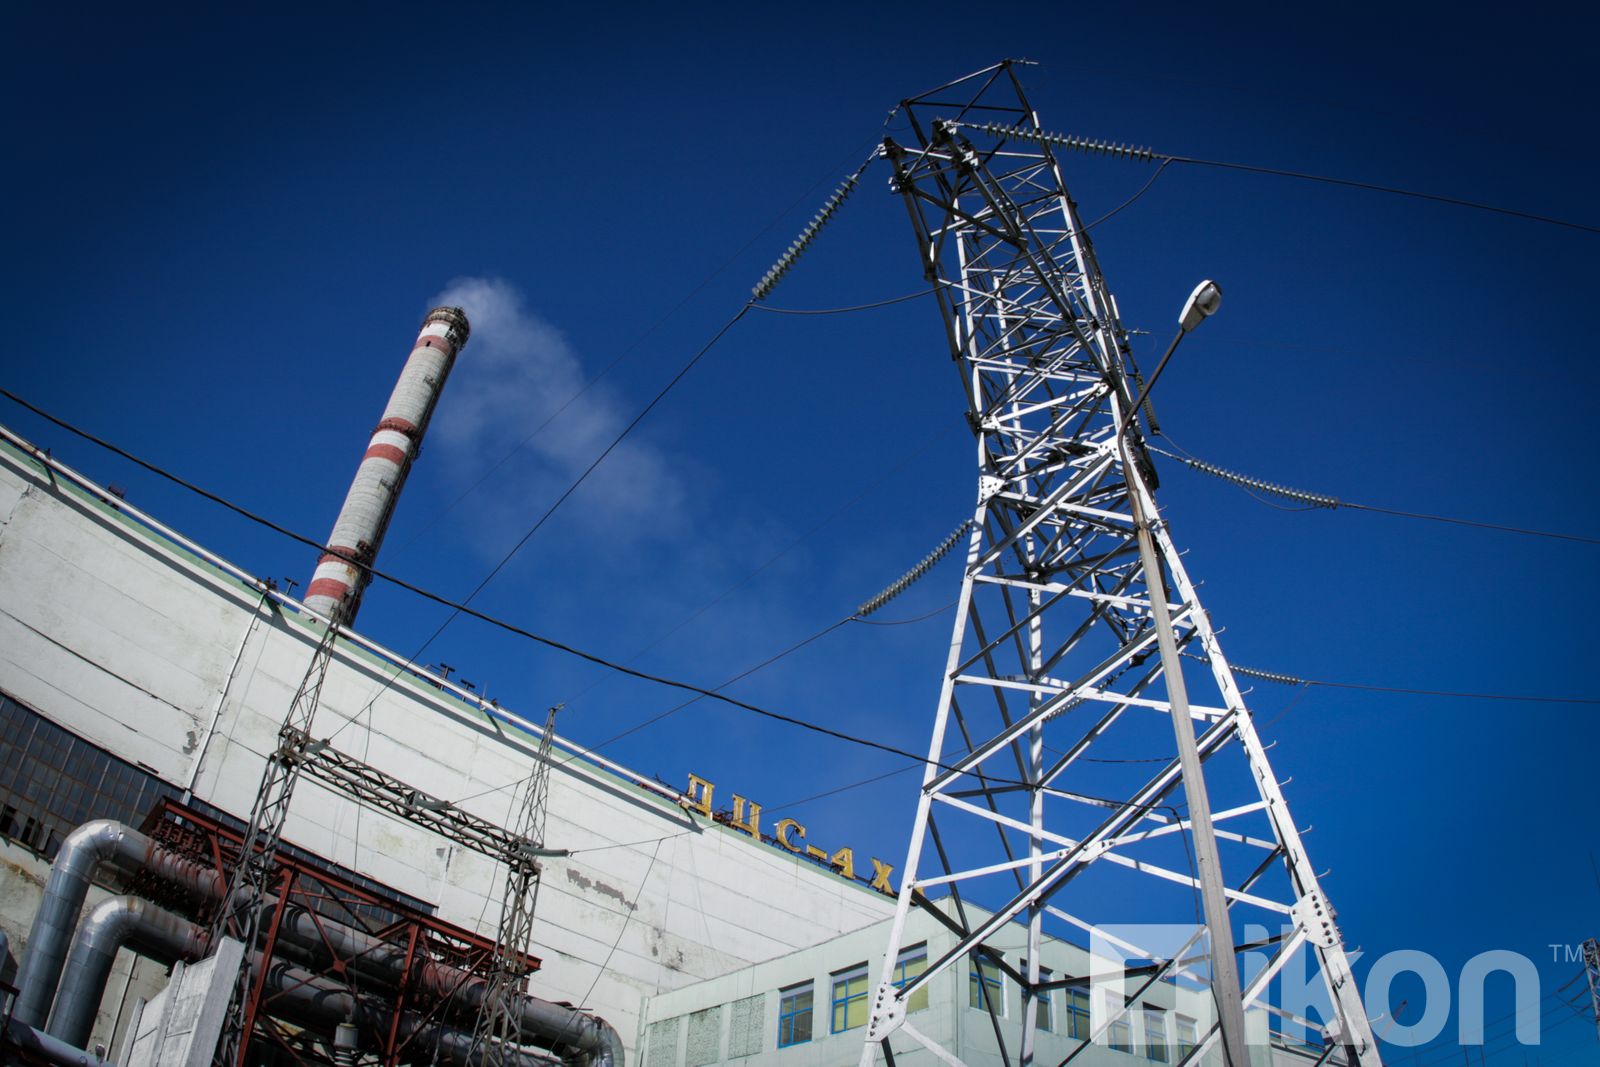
(516, 372)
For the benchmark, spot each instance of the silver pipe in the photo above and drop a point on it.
(111, 924)
(310, 999)
(41, 1046)
(82, 853)
(94, 843)
(596, 1040)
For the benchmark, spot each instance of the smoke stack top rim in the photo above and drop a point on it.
(456, 319)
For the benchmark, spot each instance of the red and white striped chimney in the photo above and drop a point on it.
(339, 581)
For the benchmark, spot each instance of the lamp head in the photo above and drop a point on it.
(1201, 305)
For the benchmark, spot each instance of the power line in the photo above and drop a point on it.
(1333, 503)
(1289, 679)
(1147, 155)
(623, 354)
(785, 550)
(464, 609)
(554, 507)
(843, 310)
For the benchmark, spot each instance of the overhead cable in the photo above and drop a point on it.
(1279, 678)
(464, 609)
(1148, 155)
(843, 310)
(1322, 500)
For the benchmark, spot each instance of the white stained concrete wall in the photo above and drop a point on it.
(134, 644)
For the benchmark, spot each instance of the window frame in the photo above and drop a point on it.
(1045, 1020)
(1078, 1012)
(1123, 1029)
(807, 988)
(898, 977)
(1183, 1043)
(1156, 1049)
(839, 1007)
(978, 979)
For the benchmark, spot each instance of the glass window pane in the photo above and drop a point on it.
(912, 962)
(849, 999)
(794, 1015)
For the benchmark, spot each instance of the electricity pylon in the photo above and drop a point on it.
(1082, 664)
(244, 909)
(499, 1023)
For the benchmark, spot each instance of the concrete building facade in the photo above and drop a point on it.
(136, 664)
(808, 1008)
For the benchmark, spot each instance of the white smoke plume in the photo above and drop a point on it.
(516, 372)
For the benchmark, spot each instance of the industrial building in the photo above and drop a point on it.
(239, 833)
(141, 672)
(139, 667)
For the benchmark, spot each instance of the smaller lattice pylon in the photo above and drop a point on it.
(499, 1029)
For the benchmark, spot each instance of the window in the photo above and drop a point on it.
(1188, 1035)
(794, 1015)
(849, 998)
(1120, 1035)
(912, 962)
(1077, 1012)
(1155, 1034)
(983, 987)
(1044, 1016)
(52, 781)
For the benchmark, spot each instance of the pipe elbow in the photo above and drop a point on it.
(610, 1053)
(111, 924)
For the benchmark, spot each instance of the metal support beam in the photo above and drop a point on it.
(1065, 726)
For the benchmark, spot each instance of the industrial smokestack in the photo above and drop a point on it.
(340, 577)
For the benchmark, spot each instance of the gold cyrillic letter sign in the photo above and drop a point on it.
(785, 828)
(752, 826)
(880, 876)
(698, 796)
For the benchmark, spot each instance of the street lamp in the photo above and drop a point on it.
(1225, 987)
(1201, 305)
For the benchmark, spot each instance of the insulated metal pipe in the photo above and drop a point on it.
(595, 1041)
(341, 575)
(306, 998)
(81, 854)
(40, 1047)
(111, 924)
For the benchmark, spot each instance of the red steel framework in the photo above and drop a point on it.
(440, 959)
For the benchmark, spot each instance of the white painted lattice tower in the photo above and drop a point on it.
(1056, 796)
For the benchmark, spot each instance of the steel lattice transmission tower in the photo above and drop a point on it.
(1057, 777)
(250, 889)
(499, 1022)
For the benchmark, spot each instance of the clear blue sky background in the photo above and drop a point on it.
(223, 231)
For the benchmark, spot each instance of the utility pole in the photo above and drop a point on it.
(499, 1025)
(1065, 734)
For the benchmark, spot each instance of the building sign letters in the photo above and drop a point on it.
(789, 834)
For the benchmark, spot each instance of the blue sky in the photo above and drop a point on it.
(225, 229)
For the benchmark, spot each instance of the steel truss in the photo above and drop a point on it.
(1051, 794)
(410, 971)
(499, 1026)
(257, 890)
